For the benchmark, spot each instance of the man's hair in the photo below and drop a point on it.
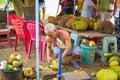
(49, 27)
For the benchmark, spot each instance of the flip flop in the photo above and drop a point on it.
(75, 65)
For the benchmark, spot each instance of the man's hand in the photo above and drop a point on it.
(110, 10)
(56, 60)
(112, 2)
(49, 59)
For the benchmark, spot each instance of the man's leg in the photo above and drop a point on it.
(75, 54)
(43, 16)
(74, 57)
(56, 51)
(102, 16)
(107, 16)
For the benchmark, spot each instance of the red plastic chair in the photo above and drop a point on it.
(18, 24)
(31, 27)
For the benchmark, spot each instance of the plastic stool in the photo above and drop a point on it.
(6, 32)
(105, 46)
(76, 39)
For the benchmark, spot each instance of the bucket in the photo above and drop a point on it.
(15, 75)
(88, 54)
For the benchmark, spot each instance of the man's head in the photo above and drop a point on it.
(49, 28)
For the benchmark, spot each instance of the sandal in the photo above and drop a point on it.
(75, 65)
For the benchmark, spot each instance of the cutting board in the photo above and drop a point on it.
(80, 75)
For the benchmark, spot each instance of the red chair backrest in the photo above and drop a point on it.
(31, 27)
(18, 24)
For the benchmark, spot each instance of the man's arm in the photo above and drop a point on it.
(112, 2)
(98, 2)
(62, 1)
(96, 6)
(115, 7)
(48, 50)
(68, 48)
(68, 45)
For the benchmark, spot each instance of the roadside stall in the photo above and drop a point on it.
(102, 33)
(85, 33)
(106, 39)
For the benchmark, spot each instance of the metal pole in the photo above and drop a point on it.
(59, 65)
(7, 9)
(37, 39)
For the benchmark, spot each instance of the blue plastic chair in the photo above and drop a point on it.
(103, 46)
(76, 39)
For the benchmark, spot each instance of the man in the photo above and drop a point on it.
(59, 41)
(42, 7)
(67, 6)
(88, 5)
(105, 9)
(117, 9)
(79, 4)
(117, 21)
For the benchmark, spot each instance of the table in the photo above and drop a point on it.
(90, 33)
(105, 38)
(6, 32)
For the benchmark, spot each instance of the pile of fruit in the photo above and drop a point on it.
(82, 24)
(29, 73)
(88, 43)
(113, 72)
(12, 63)
(113, 59)
(53, 66)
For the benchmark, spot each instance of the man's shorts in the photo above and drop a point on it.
(74, 50)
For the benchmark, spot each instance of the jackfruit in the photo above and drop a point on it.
(116, 69)
(106, 74)
(63, 21)
(57, 18)
(70, 22)
(114, 58)
(80, 25)
(113, 63)
(106, 27)
(51, 19)
(90, 24)
(66, 15)
(83, 19)
(96, 24)
(54, 65)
